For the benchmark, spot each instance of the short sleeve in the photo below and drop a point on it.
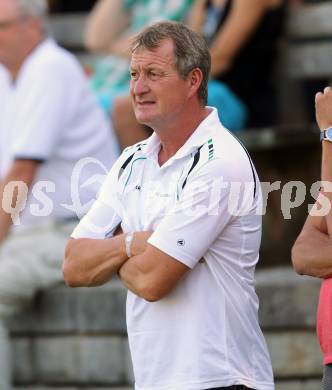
(211, 200)
(105, 214)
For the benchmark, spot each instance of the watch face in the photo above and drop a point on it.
(329, 133)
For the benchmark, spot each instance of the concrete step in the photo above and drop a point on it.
(286, 301)
(77, 337)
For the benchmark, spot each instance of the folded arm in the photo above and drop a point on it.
(93, 262)
(152, 274)
(149, 273)
(312, 251)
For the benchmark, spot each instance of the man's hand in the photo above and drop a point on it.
(150, 273)
(323, 102)
(139, 243)
(140, 240)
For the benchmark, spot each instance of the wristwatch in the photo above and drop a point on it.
(326, 135)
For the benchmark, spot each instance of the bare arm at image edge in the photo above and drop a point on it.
(312, 251)
(106, 23)
(241, 23)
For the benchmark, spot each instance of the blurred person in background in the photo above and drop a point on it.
(49, 120)
(312, 251)
(243, 37)
(110, 29)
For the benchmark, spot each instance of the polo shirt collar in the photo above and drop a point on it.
(198, 137)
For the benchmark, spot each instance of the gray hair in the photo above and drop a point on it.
(190, 50)
(37, 8)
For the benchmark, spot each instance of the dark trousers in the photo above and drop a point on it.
(235, 387)
(327, 378)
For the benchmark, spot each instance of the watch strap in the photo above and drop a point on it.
(128, 241)
(326, 135)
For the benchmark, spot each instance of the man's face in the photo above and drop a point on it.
(11, 33)
(158, 93)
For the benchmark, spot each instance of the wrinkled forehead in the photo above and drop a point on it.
(9, 9)
(163, 54)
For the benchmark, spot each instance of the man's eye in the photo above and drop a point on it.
(133, 75)
(153, 74)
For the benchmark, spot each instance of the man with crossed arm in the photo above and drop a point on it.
(191, 307)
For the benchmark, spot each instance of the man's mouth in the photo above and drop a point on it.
(145, 103)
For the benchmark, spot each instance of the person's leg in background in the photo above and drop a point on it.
(29, 261)
(5, 370)
(327, 377)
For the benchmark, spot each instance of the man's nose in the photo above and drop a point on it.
(139, 86)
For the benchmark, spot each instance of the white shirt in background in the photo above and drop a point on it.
(51, 115)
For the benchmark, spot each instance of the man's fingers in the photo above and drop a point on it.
(323, 102)
(318, 96)
(327, 92)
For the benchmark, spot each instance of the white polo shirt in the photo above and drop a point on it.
(205, 333)
(51, 115)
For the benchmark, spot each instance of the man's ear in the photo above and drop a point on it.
(195, 78)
